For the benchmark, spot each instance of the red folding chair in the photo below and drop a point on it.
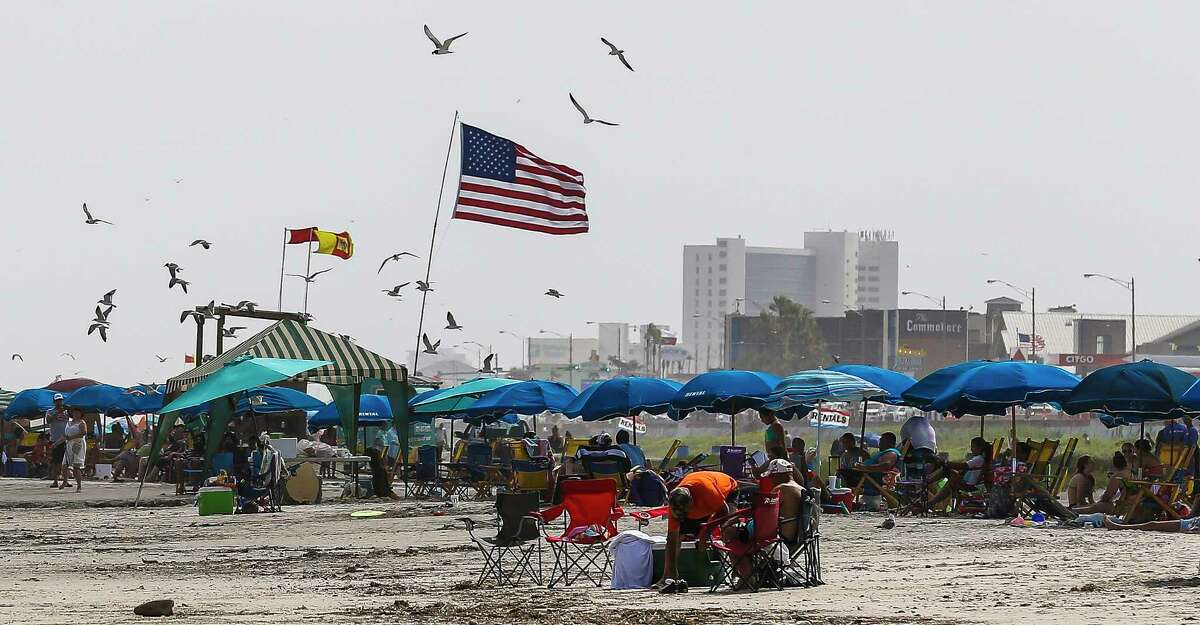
(756, 553)
(580, 551)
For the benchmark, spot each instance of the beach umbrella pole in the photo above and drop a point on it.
(1013, 445)
(862, 438)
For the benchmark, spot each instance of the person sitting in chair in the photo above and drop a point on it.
(793, 515)
(851, 455)
(698, 497)
(879, 464)
(1111, 497)
(637, 457)
(962, 476)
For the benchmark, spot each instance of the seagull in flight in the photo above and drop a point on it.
(451, 324)
(202, 243)
(395, 291)
(102, 328)
(210, 311)
(394, 257)
(69, 355)
(231, 333)
(310, 278)
(245, 305)
(160, 359)
(553, 293)
(430, 348)
(183, 284)
(620, 54)
(198, 316)
(18, 357)
(107, 299)
(102, 315)
(424, 287)
(487, 364)
(90, 220)
(441, 47)
(173, 269)
(587, 119)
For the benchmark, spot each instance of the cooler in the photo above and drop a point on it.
(843, 496)
(18, 467)
(214, 500)
(694, 565)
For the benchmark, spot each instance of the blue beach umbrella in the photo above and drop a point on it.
(1134, 392)
(374, 410)
(530, 397)
(994, 388)
(95, 398)
(268, 399)
(724, 392)
(928, 388)
(894, 382)
(30, 403)
(809, 388)
(622, 397)
(456, 399)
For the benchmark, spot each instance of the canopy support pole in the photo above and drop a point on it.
(862, 438)
(1013, 433)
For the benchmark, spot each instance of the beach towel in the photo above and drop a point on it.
(633, 559)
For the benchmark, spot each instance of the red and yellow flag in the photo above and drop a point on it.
(335, 243)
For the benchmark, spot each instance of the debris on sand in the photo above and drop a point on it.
(158, 607)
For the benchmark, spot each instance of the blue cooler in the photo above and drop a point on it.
(17, 467)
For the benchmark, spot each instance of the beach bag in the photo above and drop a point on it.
(999, 503)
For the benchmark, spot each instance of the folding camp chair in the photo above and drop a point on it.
(571, 448)
(509, 556)
(801, 562)
(912, 486)
(580, 551)
(425, 478)
(737, 549)
(1177, 460)
(263, 488)
(882, 484)
(733, 461)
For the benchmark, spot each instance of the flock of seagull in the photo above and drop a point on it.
(441, 47)
(100, 323)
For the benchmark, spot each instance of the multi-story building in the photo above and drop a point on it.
(833, 272)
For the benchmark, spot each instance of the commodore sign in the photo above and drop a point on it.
(925, 323)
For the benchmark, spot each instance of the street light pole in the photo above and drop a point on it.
(941, 302)
(1132, 288)
(524, 345)
(1031, 296)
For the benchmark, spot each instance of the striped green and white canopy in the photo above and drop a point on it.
(292, 339)
(6, 398)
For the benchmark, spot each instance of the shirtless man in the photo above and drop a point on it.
(1182, 525)
(791, 502)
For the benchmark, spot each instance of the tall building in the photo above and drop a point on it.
(833, 272)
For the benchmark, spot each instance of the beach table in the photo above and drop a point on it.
(332, 464)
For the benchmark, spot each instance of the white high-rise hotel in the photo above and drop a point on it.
(833, 272)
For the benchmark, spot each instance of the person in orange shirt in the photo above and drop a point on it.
(699, 496)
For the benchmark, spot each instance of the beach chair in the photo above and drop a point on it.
(756, 553)
(571, 447)
(614, 469)
(1058, 478)
(882, 484)
(733, 461)
(801, 560)
(424, 478)
(665, 464)
(509, 556)
(1177, 460)
(590, 512)
(531, 476)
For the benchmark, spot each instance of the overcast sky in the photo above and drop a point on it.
(1029, 142)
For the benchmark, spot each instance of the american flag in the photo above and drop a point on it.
(1037, 342)
(504, 184)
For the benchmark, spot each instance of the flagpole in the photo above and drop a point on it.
(429, 261)
(307, 273)
(282, 264)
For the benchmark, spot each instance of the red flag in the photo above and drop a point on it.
(188, 359)
(302, 235)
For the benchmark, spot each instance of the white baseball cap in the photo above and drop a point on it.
(779, 465)
(57, 396)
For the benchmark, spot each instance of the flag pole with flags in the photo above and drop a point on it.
(437, 213)
(338, 244)
(282, 265)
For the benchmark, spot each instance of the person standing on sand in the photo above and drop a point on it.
(56, 420)
(774, 438)
(75, 450)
